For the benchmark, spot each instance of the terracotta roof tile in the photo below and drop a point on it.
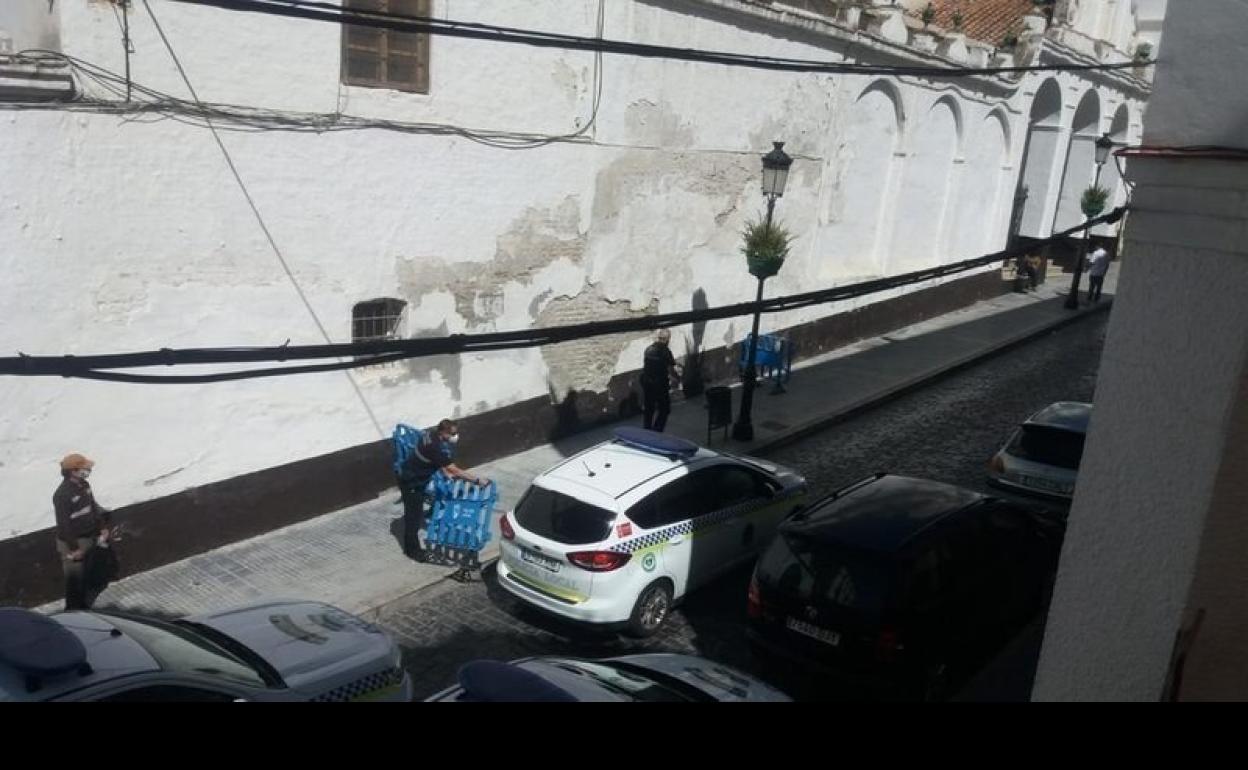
(988, 21)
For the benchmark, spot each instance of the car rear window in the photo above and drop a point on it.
(1051, 446)
(826, 572)
(561, 518)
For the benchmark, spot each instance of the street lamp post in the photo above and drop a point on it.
(1103, 146)
(775, 175)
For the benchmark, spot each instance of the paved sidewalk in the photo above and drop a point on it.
(352, 558)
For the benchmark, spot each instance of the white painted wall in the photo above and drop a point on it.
(932, 147)
(131, 235)
(1157, 526)
(28, 24)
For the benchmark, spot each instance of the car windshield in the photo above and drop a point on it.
(561, 518)
(1051, 446)
(180, 650)
(630, 683)
(828, 573)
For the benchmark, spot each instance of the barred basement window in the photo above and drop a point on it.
(377, 319)
(381, 58)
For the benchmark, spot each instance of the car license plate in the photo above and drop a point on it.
(545, 562)
(1045, 484)
(814, 632)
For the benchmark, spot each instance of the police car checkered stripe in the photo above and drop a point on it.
(693, 526)
(361, 687)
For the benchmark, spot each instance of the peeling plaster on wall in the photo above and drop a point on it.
(640, 175)
(653, 211)
(535, 305)
(575, 82)
(802, 121)
(120, 300)
(586, 364)
(539, 237)
(656, 124)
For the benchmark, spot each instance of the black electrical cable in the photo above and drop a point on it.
(153, 105)
(382, 351)
(430, 26)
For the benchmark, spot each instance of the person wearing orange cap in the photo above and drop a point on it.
(80, 524)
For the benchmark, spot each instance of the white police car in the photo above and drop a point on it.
(618, 533)
(274, 651)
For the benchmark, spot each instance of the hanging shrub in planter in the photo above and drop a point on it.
(1093, 201)
(765, 248)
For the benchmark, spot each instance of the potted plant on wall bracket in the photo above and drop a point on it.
(957, 20)
(928, 15)
(766, 245)
(1093, 201)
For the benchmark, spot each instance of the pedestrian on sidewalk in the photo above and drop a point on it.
(656, 385)
(81, 524)
(435, 451)
(1028, 267)
(1098, 266)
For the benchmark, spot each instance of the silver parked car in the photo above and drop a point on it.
(656, 677)
(266, 651)
(1043, 455)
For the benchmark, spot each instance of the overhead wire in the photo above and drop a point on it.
(229, 161)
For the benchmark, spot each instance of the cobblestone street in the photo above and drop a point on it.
(946, 431)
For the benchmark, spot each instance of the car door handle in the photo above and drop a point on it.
(676, 540)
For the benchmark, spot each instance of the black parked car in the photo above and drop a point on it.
(902, 585)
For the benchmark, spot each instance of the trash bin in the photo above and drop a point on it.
(718, 410)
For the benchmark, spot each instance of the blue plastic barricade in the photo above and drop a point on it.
(459, 521)
(405, 438)
(773, 357)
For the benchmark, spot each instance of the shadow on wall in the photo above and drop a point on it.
(567, 419)
(693, 381)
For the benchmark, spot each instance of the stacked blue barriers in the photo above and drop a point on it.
(773, 357)
(459, 521)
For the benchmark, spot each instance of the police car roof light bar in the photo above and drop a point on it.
(662, 444)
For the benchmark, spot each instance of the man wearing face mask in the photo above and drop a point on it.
(433, 452)
(80, 524)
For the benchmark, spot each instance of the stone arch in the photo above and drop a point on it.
(958, 122)
(862, 168)
(1080, 160)
(998, 114)
(890, 90)
(1042, 157)
(981, 206)
(1111, 177)
(919, 229)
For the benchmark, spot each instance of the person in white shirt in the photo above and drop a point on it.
(1098, 266)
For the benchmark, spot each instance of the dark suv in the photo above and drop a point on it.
(902, 585)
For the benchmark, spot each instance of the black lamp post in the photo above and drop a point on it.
(775, 175)
(1103, 146)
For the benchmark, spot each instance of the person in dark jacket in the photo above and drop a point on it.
(80, 525)
(435, 451)
(656, 384)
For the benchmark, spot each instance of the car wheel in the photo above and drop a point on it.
(651, 610)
